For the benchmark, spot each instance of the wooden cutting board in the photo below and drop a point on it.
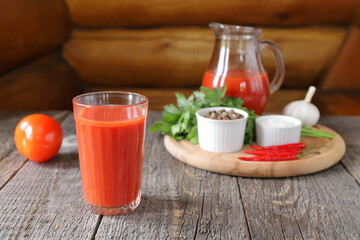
(330, 152)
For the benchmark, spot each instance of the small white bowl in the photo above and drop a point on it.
(277, 130)
(221, 136)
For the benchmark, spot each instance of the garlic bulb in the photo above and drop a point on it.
(304, 110)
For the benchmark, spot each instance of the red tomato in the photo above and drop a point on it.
(38, 137)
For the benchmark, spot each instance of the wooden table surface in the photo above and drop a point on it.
(44, 201)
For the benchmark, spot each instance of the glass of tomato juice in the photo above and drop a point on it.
(110, 129)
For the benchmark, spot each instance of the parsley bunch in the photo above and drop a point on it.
(180, 121)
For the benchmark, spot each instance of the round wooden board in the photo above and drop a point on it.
(330, 153)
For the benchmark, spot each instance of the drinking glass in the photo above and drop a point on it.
(110, 129)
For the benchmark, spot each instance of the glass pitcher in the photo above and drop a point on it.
(236, 64)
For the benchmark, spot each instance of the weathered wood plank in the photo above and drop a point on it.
(44, 201)
(179, 202)
(318, 206)
(349, 127)
(10, 160)
(295, 208)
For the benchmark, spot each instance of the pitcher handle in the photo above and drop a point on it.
(279, 64)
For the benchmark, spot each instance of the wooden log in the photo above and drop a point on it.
(345, 73)
(338, 103)
(177, 57)
(188, 12)
(45, 84)
(356, 19)
(30, 28)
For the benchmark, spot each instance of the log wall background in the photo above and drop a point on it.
(43, 84)
(168, 44)
(164, 44)
(177, 57)
(29, 29)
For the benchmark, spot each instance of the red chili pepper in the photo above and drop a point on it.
(279, 147)
(275, 152)
(271, 157)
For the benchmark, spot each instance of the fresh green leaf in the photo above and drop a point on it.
(200, 97)
(161, 126)
(171, 108)
(186, 119)
(176, 129)
(193, 135)
(182, 102)
(233, 102)
(214, 98)
(170, 118)
(180, 122)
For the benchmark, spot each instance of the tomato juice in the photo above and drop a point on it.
(111, 155)
(252, 87)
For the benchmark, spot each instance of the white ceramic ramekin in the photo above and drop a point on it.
(277, 130)
(221, 136)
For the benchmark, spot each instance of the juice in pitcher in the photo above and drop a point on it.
(252, 87)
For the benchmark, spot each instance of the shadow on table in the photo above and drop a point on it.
(149, 207)
(63, 160)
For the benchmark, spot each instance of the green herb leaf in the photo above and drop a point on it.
(176, 129)
(233, 102)
(170, 117)
(171, 108)
(161, 126)
(193, 135)
(182, 102)
(180, 121)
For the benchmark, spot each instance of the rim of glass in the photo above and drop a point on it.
(74, 100)
(228, 28)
